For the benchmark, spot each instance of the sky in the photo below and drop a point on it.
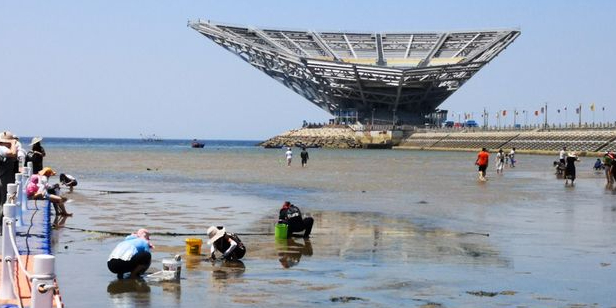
(122, 69)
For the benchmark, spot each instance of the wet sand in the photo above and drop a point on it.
(392, 229)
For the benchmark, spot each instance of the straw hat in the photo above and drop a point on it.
(7, 136)
(214, 233)
(47, 172)
(573, 154)
(36, 140)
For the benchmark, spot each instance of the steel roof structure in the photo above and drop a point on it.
(401, 77)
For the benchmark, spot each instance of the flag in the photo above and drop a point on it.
(504, 113)
(536, 112)
(541, 109)
(558, 110)
(577, 110)
(516, 112)
(592, 107)
(565, 108)
(603, 108)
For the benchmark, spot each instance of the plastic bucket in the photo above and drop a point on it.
(281, 231)
(193, 246)
(172, 265)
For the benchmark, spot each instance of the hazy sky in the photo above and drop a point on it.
(125, 68)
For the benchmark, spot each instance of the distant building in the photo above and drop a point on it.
(380, 78)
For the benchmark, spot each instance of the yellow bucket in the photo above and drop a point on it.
(193, 246)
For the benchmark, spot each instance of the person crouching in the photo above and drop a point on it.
(292, 216)
(229, 244)
(131, 255)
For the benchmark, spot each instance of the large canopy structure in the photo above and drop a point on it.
(394, 77)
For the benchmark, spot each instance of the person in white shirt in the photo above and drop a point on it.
(512, 158)
(562, 155)
(500, 161)
(289, 155)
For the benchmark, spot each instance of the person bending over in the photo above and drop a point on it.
(131, 255)
(68, 181)
(229, 244)
(292, 216)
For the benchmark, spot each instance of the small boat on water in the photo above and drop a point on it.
(197, 144)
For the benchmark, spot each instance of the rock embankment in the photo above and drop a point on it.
(324, 137)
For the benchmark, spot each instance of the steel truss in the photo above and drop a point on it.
(402, 94)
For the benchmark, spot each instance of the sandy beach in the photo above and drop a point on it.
(392, 229)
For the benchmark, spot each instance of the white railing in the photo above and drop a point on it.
(43, 276)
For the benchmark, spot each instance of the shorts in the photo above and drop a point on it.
(119, 266)
(482, 168)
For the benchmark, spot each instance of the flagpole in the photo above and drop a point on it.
(580, 115)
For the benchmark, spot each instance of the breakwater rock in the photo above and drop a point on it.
(324, 137)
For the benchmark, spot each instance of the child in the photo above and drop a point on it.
(598, 165)
(68, 181)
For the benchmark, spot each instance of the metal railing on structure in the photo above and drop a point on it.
(42, 279)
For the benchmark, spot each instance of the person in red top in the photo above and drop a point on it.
(482, 161)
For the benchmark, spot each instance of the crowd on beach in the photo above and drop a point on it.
(14, 158)
(565, 166)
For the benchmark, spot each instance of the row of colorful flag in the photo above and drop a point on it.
(468, 116)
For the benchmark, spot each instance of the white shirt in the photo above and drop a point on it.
(3, 151)
(562, 154)
(288, 154)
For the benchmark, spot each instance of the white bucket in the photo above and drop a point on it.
(174, 266)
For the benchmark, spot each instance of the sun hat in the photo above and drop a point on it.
(7, 136)
(47, 171)
(573, 154)
(144, 234)
(36, 140)
(214, 233)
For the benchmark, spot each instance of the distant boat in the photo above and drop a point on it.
(196, 144)
(150, 138)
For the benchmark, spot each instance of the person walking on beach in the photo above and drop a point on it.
(132, 255)
(36, 154)
(482, 161)
(292, 216)
(289, 156)
(562, 155)
(571, 159)
(8, 157)
(229, 244)
(500, 161)
(512, 158)
(304, 156)
(608, 162)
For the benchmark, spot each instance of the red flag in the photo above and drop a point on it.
(536, 112)
(504, 113)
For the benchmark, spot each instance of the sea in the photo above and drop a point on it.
(393, 228)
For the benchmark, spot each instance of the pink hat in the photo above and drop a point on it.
(144, 234)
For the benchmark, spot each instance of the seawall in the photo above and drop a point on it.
(549, 142)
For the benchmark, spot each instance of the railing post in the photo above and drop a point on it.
(8, 255)
(25, 180)
(17, 200)
(42, 288)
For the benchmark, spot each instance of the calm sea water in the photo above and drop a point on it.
(393, 228)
